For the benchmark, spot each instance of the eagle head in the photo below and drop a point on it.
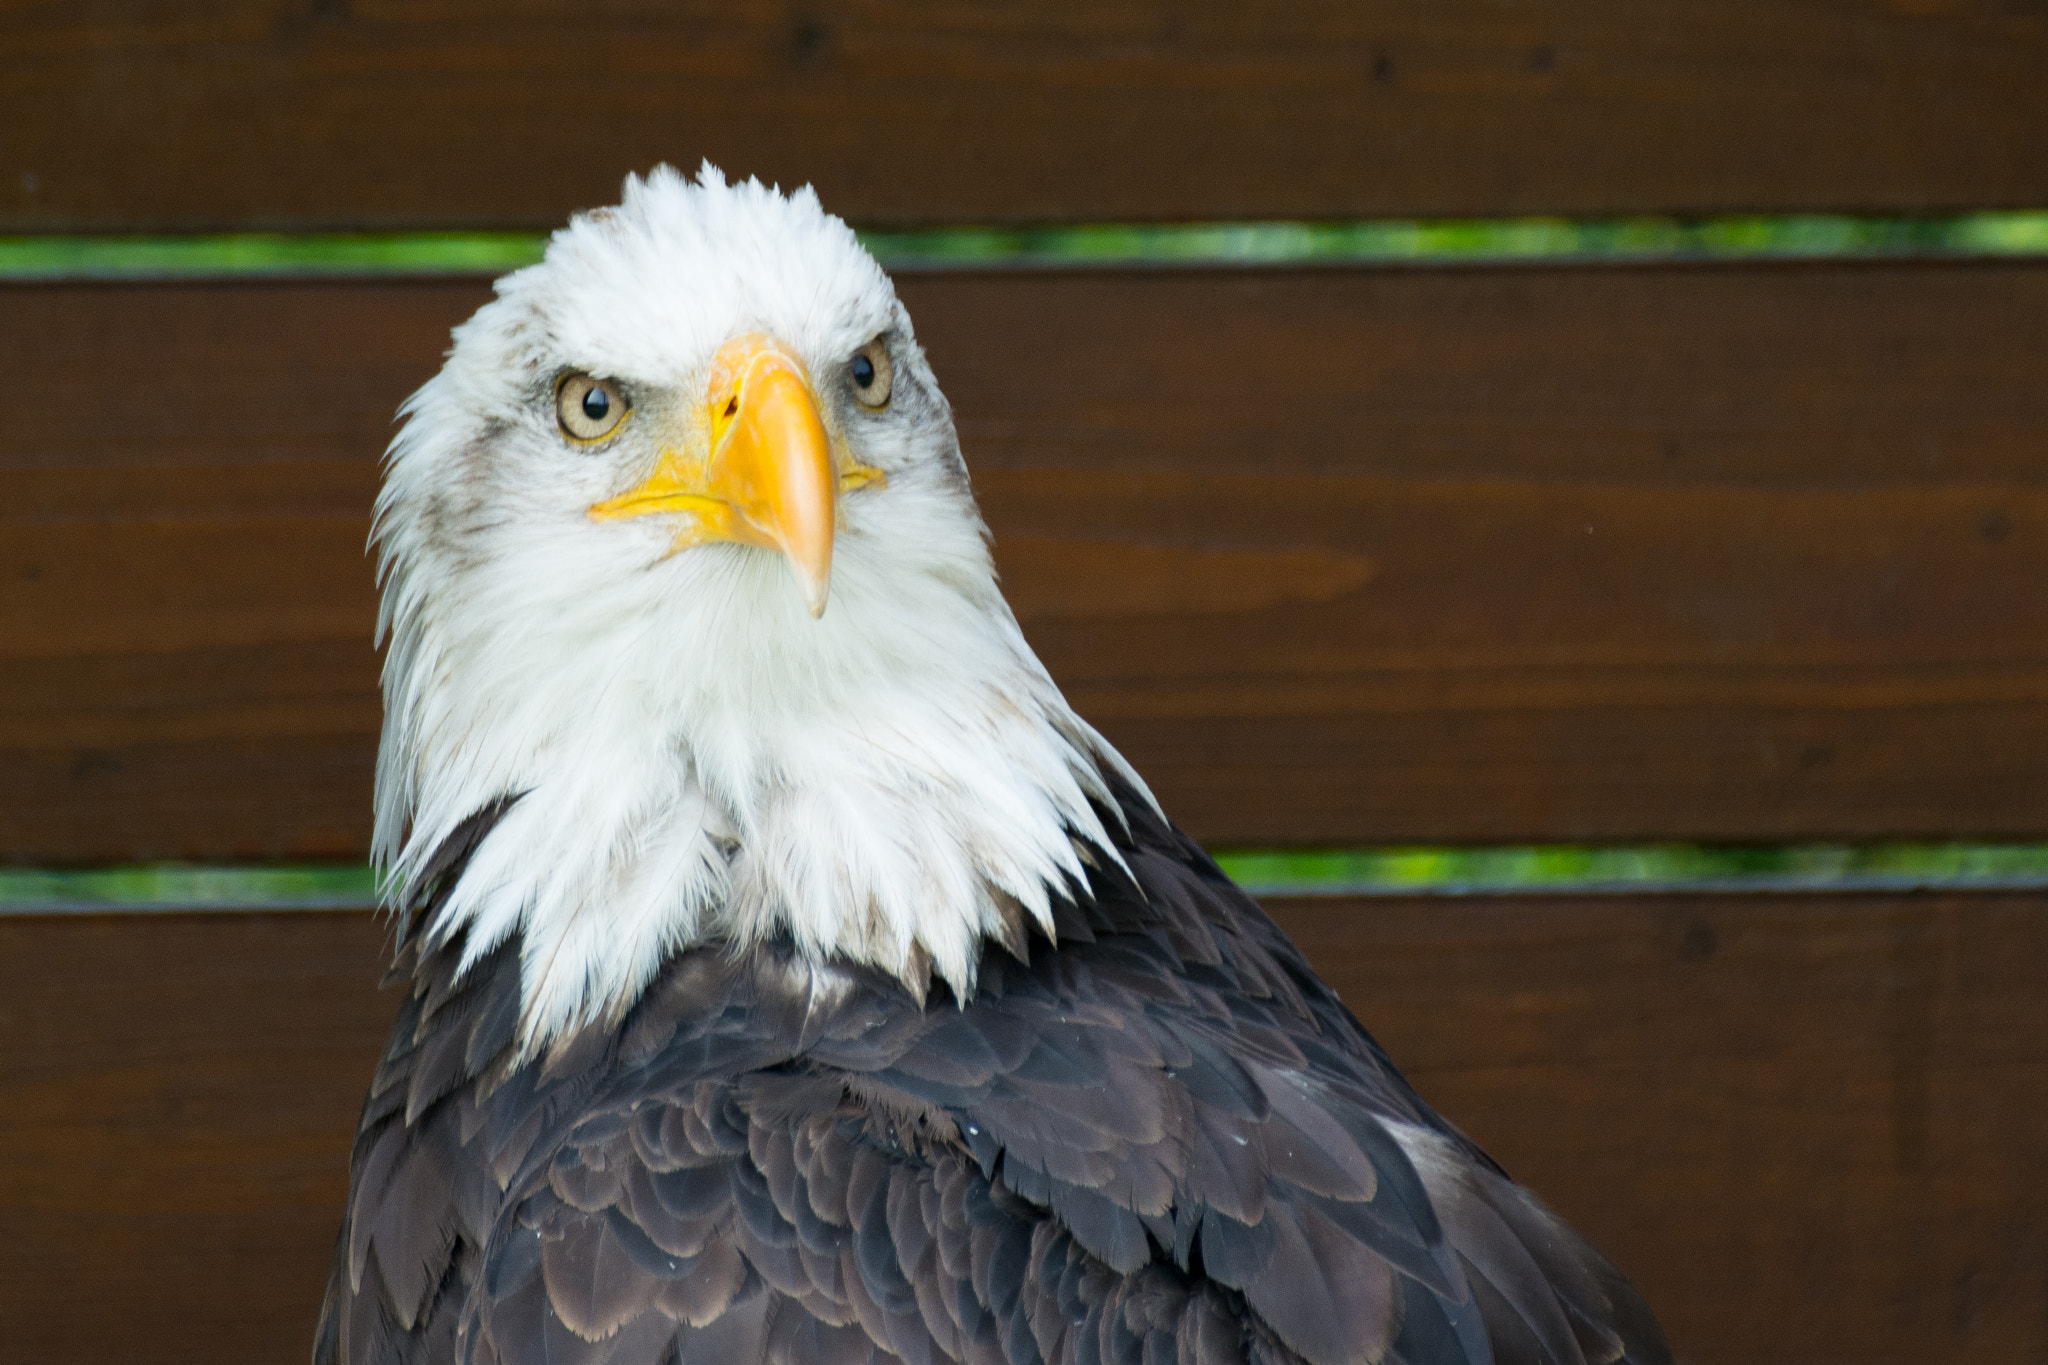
(682, 571)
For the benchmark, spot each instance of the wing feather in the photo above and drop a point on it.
(1159, 1141)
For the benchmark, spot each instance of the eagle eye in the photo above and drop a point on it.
(871, 374)
(589, 409)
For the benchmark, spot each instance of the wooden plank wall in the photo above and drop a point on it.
(1593, 553)
(1810, 1128)
(1680, 552)
(393, 113)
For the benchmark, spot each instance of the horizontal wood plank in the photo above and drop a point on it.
(377, 114)
(1810, 1128)
(1710, 554)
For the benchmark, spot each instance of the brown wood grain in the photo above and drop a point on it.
(379, 114)
(177, 1098)
(1811, 1128)
(1450, 555)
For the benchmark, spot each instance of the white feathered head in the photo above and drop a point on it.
(679, 551)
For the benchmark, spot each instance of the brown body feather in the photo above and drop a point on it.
(1162, 1141)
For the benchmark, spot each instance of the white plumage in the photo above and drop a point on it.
(695, 755)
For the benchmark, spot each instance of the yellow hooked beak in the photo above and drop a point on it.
(756, 467)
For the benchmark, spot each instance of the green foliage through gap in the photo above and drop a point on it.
(1506, 241)
(1553, 868)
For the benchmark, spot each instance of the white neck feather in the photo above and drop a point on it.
(697, 759)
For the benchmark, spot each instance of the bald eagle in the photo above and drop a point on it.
(790, 974)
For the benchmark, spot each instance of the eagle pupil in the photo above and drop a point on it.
(863, 371)
(596, 405)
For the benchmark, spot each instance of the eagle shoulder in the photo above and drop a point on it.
(1160, 1139)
